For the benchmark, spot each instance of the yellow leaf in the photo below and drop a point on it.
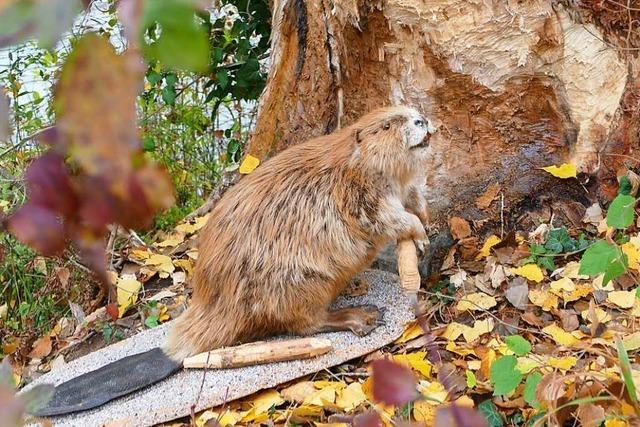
(465, 401)
(350, 397)
(321, 397)
(337, 385)
(416, 361)
(529, 271)
(184, 264)
(564, 284)
(623, 299)
(433, 392)
(633, 255)
(298, 392)
(476, 301)
(601, 315)
(543, 298)
(249, 164)
(579, 292)
(632, 341)
(559, 335)
(453, 331)
(615, 423)
(413, 330)
(261, 405)
(189, 228)
(570, 271)
(162, 262)
(332, 425)
(564, 171)
(563, 363)
(228, 418)
(462, 351)
(140, 255)
(488, 244)
(307, 411)
(424, 412)
(172, 241)
(127, 292)
(480, 327)
(527, 364)
(597, 283)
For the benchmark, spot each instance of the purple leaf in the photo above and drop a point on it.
(39, 228)
(459, 416)
(49, 185)
(367, 419)
(393, 384)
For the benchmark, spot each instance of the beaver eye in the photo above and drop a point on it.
(419, 122)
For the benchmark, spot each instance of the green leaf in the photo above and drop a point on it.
(490, 413)
(148, 144)
(625, 368)
(169, 95)
(151, 321)
(602, 257)
(621, 211)
(625, 185)
(504, 375)
(530, 385)
(546, 262)
(222, 78)
(471, 379)
(183, 43)
(518, 345)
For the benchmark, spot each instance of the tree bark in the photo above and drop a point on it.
(514, 86)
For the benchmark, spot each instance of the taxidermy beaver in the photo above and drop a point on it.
(282, 244)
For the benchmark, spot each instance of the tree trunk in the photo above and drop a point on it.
(513, 85)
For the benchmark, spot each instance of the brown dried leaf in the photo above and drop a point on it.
(459, 227)
(488, 196)
(590, 415)
(517, 293)
(41, 348)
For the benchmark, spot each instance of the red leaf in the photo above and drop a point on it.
(459, 416)
(39, 228)
(393, 384)
(112, 311)
(49, 185)
(367, 419)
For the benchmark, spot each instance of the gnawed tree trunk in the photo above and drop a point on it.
(513, 85)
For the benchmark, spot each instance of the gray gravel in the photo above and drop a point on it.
(173, 397)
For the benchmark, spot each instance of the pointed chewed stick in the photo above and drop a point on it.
(408, 268)
(256, 353)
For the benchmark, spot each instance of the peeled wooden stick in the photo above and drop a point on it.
(408, 268)
(256, 353)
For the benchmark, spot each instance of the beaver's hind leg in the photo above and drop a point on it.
(360, 320)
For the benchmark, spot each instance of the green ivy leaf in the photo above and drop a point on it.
(530, 385)
(621, 211)
(151, 321)
(602, 257)
(490, 413)
(518, 345)
(504, 375)
(625, 185)
(169, 95)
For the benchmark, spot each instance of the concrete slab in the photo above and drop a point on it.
(173, 397)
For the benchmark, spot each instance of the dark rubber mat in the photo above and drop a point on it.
(116, 379)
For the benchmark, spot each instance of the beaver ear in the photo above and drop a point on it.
(386, 125)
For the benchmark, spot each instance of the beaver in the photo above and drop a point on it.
(283, 243)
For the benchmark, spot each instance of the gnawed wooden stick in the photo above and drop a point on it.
(256, 353)
(408, 267)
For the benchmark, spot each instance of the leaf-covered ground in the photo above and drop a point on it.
(528, 327)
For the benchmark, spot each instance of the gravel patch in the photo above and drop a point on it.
(173, 397)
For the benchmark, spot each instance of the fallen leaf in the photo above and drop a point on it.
(488, 244)
(593, 215)
(517, 293)
(41, 348)
(564, 171)
(321, 397)
(632, 341)
(350, 397)
(172, 241)
(480, 327)
(563, 363)
(623, 299)
(227, 418)
(543, 298)
(563, 284)
(433, 391)
(393, 384)
(459, 416)
(424, 412)
(459, 227)
(601, 315)
(162, 262)
(484, 201)
(416, 361)
(559, 335)
(413, 330)
(570, 271)
(261, 405)
(529, 271)
(249, 164)
(127, 291)
(476, 302)
(633, 255)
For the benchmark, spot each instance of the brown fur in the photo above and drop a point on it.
(284, 242)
